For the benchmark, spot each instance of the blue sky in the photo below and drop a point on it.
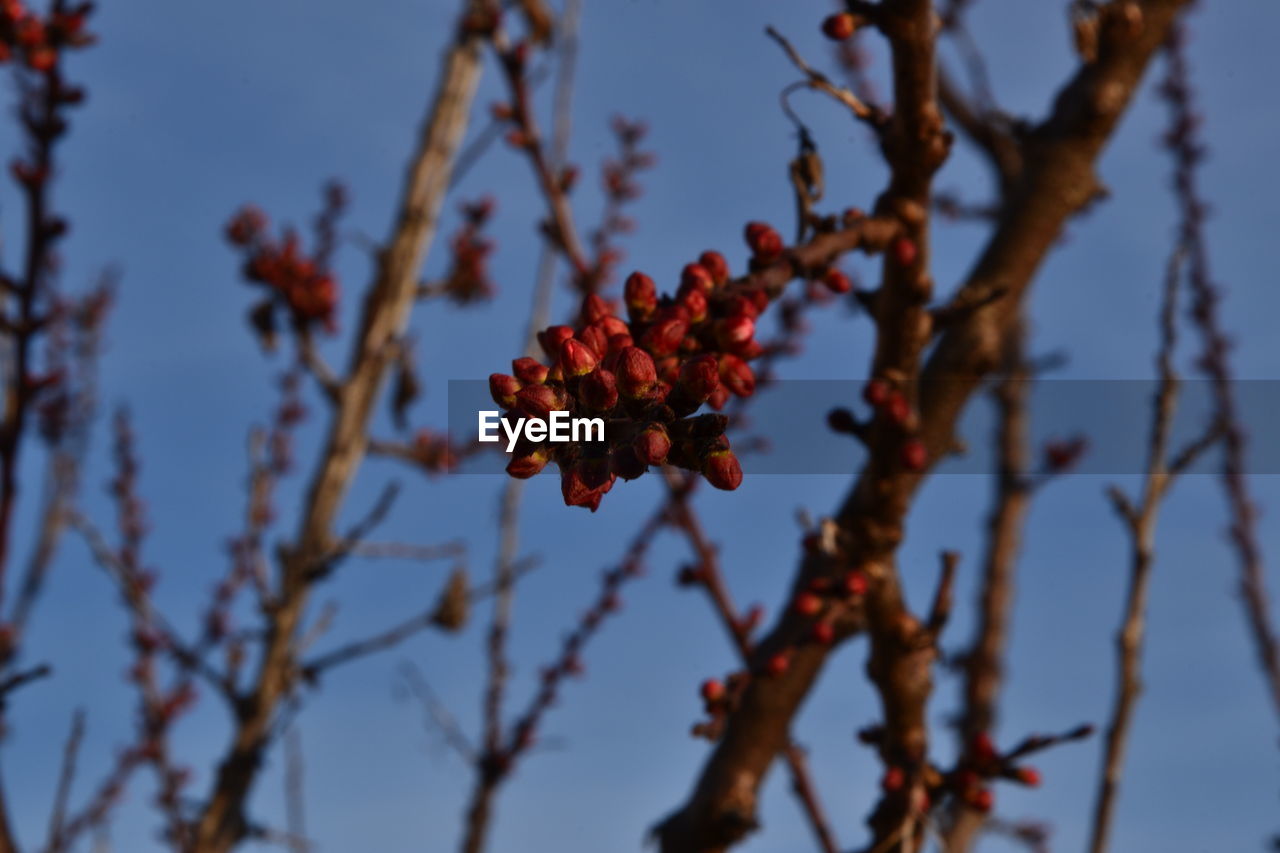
(197, 108)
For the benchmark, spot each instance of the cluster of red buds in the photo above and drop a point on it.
(888, 401)
(35, 41)
(813, 602)
(646, 377)
(468, 279)
(298, 282)
(982, 762)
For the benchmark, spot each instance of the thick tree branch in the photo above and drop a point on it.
(1058, 180)
(387, 304)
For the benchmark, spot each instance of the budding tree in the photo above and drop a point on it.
(666, 370)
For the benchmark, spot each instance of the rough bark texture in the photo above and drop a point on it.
(1057, 181)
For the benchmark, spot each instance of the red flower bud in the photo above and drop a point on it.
(712, 691)
(576, 358)
(599, 390)
(837, 282)
(652, 445)
(524, 465)
(626, 464)
(914, 455)
(904, 251)
(807, 604)
(596, 339)
(893, 779)
(539, 401)
(744, 305)
(983, 800)
(1028, 776)
(552, 338)
(876, 393)
(594, 308)
(777, 664)
(737, 376)
(635, 371)
(897, 408)
(734, 332)
(718, 398)
(665, 336)
(503, 389)
(641, 296)
(855, 584)
(722, 470)
(766, 243)
(700, 377)
(695, 302)
(823, 633)
(42, 58)
(696, 277)
(530, 371)
(576, 492)
(839, 27)
(983, 749)
(715, 264)
(612, 327)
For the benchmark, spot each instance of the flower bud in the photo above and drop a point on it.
(1028, 776)
(712, 691)
(641, 296)
(897, 408)
(807, 604)
(893, 780)
(652, 445)
(700, 377)
(626, 464)
(576, 492)
(695, 302)
(733, 332)
(722, 470)
(526, 462)
(766, 243)
(715, 264)
(596, 339)
(904, 251)
(696, 277)
(552, 338)
(599, 390)
(594, 308)
(855, 584)
(876, 393)
(914, 455)
(635, 371)
(539, 401)
(836, 281)
(530, 371)
(737, 376)
(665, 336)
(823, 633)
(576, 358)
(503, 389)
(777, 664)
(718, 398)
(839, 27)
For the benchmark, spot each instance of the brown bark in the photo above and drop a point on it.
(386, 310)
(1058, 180)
